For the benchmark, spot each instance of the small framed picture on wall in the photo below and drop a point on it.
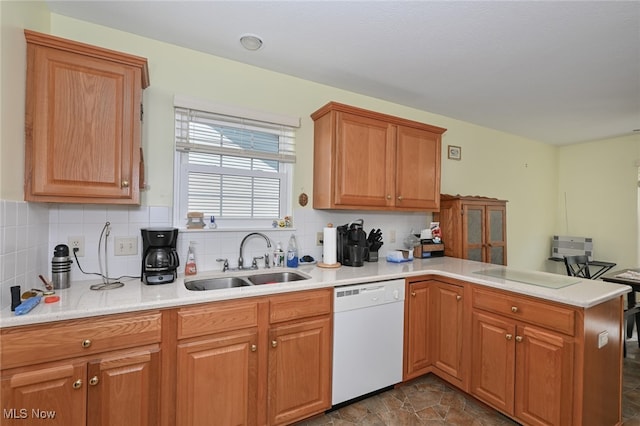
(454, 152)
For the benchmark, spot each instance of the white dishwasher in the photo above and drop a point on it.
(367, 338)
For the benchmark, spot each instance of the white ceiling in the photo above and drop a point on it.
(560, 72)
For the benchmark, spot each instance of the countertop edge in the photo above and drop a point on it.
(137, 297)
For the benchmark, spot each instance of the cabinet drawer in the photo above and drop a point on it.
(64, 339)
(535, 312)
(300, 305)
(216, 317)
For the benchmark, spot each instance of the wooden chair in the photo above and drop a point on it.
(577, 266)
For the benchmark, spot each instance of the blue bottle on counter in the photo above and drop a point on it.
(292, 252)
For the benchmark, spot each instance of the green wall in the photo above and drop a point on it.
(598, 196)
(532, 175)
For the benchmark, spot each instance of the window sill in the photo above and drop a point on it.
(235, 229)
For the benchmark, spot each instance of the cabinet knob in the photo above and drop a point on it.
(413, 293)
(509, 336)
(399, 197)
(77, 384)
(274, 343)
(125, 183)
(94, 380)
(514, 309)
(254, 348)
(388, 196)
(458, 297)
(518, 339)
(86, 343)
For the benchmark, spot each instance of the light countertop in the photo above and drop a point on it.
(78, 301)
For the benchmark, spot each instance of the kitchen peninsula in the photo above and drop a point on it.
(552, 344)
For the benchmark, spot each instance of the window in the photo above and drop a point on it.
(234, 167)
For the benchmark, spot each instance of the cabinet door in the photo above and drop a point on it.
(365, 162)
(417, 169)
(493, 360)
(299, 370)
(123, 389)
(544, 377)
(53, 394)
(496, 225)
(473, 230)
(217, 380)
(447, 329)
(417, 330)
(83, 128)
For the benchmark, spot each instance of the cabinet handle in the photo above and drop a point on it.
(125, 183)
(254, 348)
(388, 196)
(509, 336)
(514, 309)
(518, 339)
(413, 293)
(86, 343)
(77, 384)
(458, 297)
(274, 343)
(399, 197)
(94, 380)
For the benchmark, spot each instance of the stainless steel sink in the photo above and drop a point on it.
(276, 277)
(244, 280)
(216, 283)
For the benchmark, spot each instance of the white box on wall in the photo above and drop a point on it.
(562, 246)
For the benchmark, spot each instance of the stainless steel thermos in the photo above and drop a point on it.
(61, 267)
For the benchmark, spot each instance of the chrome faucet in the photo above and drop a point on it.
(266, 255)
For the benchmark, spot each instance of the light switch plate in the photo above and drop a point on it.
(126, 246)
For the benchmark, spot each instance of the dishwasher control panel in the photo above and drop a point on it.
(368, 294)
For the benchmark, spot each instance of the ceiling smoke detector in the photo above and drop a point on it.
(251, 42)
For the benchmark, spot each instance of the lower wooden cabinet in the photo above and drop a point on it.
(525, 371)
(299, 370)
(56, 391)
(257, 361)
(115, 389)
(417, 329)
(124, 389)
(449, 346)
(535, 360)
(217, 380)
(435, 329)
(99, 371)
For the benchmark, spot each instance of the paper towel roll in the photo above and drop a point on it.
(329, 252)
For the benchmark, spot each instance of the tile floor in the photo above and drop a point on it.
(430, 401)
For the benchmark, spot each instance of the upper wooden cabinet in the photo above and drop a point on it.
(474, 228)
(83, 122)
(372, 161)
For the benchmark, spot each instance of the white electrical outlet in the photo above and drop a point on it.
(126, 246)
(76, 242)
(603, 339)
(319, 238)
(392, 236)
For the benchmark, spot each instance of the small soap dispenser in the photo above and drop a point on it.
(191, 267)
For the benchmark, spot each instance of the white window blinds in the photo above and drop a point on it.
(233, 167)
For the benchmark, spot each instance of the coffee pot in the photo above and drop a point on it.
(352, 243)
(159, 256)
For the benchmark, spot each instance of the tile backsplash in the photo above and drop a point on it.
(30, 231)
